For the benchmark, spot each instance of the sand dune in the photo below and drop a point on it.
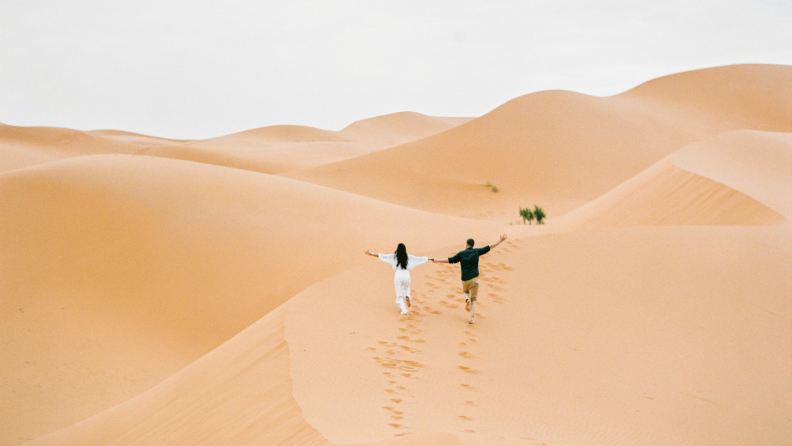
(141, 265)
(281, 149)
(274, 149)
(27, 146)
(758, 164)
(576, 346)
(741, 178)
(562, 149)
(135, 138)
(398, 128)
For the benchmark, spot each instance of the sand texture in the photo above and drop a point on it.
(173, 292)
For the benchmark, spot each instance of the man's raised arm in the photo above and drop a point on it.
(502, 238)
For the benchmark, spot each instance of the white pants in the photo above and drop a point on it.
(401, 281)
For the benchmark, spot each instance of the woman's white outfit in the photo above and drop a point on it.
(401, 280)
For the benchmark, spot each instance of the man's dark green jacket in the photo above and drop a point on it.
(469, 259)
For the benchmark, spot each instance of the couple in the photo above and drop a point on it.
(469, 258)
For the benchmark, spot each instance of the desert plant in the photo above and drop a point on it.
(527, 215)
(492, 186)
(540, 215)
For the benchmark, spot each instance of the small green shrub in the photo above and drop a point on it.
(540, 215)
(492, 186)
(527, 215)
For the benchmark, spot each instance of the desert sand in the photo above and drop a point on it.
(159, 291)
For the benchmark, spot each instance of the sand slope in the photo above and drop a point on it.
(246, 400)
(562, 149)
(578, 346)
(741, 178)
(758, 164)
(632, 336)
(119, 270)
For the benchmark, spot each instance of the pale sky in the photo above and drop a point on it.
(198, 68)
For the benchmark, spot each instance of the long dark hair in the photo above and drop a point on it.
(401, 256)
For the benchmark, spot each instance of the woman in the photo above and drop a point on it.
(402, 263)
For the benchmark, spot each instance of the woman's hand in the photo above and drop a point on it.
(369, 253)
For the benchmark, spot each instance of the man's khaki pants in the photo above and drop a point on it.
(470, 289)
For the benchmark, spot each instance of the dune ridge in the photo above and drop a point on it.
(562, 149)
(273, 149)
(735, 178)
(279, 149)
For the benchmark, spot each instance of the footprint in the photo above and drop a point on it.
(469, 403)
(388, 407)
(465, 355)
(466, 418)
(468, 369)
(406, 375)
(396, 400)
(396, 425)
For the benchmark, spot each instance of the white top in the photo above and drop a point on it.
(412, 261)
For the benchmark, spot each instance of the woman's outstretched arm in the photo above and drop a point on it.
(369, 253)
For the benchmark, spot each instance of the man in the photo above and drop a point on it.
(470, 259)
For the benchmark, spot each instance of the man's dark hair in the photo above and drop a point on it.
(470, 242)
